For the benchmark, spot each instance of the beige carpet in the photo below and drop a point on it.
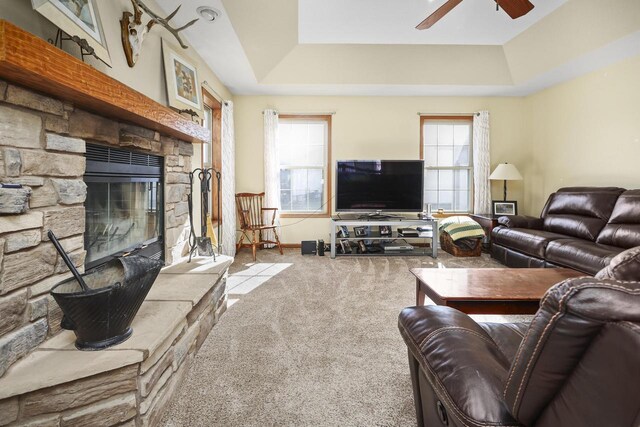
(315, 345)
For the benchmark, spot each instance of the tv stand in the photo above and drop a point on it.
(374, 237)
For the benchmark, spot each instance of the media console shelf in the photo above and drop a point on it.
(374, 235)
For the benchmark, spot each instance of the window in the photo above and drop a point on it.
(212, 150)
(303, 148)
(446, 148)
(207, 122)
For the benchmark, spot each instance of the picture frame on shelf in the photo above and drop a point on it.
(343, 231)
(385, 230)
(504, 207)
(181, 78)
(79, 18)
(360, 231)
(346, 247)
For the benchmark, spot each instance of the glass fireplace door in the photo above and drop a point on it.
(121, 215)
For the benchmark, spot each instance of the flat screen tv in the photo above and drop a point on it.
(379, 185)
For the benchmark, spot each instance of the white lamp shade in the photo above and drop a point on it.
(506, 171)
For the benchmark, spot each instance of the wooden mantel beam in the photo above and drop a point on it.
(32, 62)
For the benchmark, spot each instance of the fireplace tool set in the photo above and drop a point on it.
(100, 305)
(202, 244)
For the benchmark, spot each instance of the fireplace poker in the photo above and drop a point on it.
(192, 232)
(205, 179)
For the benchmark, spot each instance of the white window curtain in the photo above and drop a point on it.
(271, 168)
(482, 163)
(228, 239)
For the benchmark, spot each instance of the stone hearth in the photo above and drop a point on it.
(131, 383)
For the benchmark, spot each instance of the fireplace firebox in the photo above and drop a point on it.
(124, 205)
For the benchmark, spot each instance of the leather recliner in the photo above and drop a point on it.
(576, 364)
(581, 228)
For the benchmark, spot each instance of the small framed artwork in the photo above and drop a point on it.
(77, 18)
(360, 231)
(343, 231)
(346, 247)
(385, 230)
(181, 76)
(507, 207)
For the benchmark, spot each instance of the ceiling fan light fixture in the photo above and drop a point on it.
(208, 13)
(513, 8)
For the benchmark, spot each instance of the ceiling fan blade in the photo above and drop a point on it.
(438, 14)
(515, 8)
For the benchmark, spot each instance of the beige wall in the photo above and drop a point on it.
(146, 77)
(585, 132)
(372, 128)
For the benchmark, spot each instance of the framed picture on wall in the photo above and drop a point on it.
(76, 18)
(181, 76)
(507, 207)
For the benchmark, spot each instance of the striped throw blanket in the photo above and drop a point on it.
(460, 227)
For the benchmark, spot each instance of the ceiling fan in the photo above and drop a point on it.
(514, 8)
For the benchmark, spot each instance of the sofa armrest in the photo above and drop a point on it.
(465, 368)
(521, 221)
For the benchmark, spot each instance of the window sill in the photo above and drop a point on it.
(304, 215)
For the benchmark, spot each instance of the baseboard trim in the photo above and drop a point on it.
(298, 245)
(284, 246)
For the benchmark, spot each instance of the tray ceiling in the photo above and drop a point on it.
(370, 47)
(472, 22)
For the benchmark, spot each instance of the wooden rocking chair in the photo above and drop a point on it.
(252, 219)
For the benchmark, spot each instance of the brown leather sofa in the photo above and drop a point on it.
(580, 227)
(576, 364)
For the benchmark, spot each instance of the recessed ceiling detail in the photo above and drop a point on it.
(370, 47)
(474, 22)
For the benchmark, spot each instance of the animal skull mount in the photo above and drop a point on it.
(134, 31)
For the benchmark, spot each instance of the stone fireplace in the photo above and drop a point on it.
(105, 182)
(104, 187)
(59, 154)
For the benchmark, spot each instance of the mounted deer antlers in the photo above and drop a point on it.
(133, 32)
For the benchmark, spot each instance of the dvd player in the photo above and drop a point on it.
(396, 247)
(408, 232)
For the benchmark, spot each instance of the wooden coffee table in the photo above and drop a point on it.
(488, 290)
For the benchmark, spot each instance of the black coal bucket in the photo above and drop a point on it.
(101, 316)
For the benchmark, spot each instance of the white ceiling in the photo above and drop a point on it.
(336, 23)
(474, 22)
(216, 43)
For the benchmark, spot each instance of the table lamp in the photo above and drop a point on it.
(506, 172)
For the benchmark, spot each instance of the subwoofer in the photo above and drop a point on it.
(308, 247)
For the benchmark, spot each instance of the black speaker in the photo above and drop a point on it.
(321, 247)
(308, 247)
